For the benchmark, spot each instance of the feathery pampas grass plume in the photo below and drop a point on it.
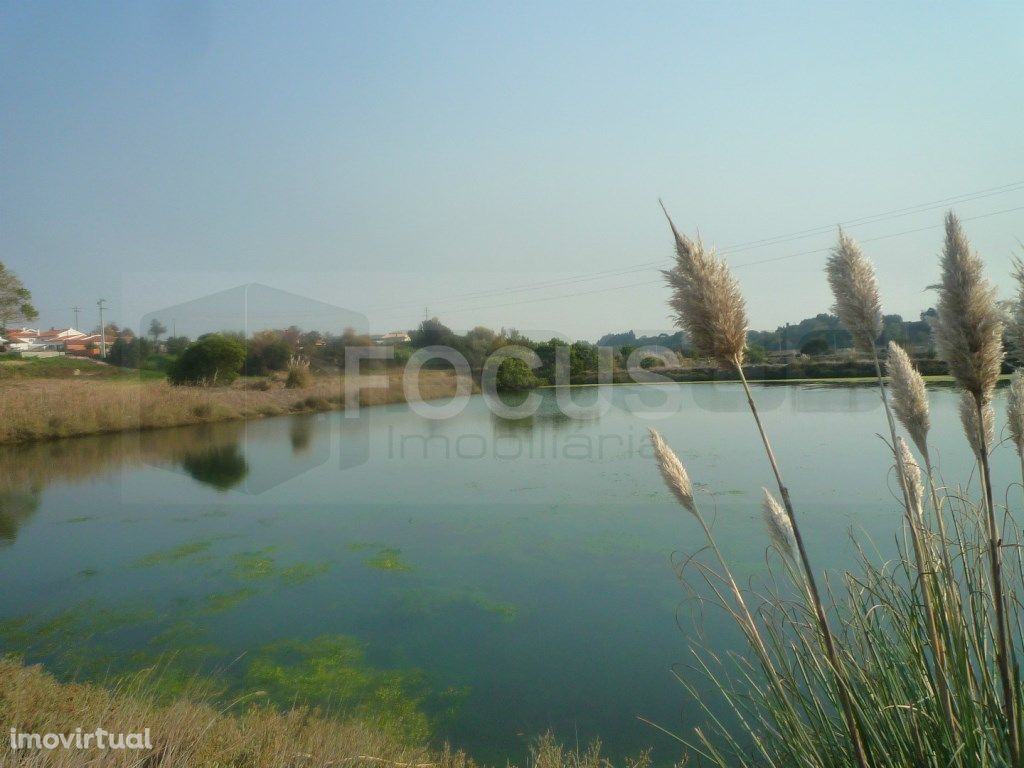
(968, 329)
(969, 420)
(674, 473)
(779, 528)
(911, 479)
(1015, 411)
(1015, 328)
(855, 289)
(909, 398)
(707, 301)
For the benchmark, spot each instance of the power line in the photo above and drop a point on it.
(738, 247)
(735, 266)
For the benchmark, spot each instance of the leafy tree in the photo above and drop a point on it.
(514, 375)
(547, 352)
(477, 345)
(583, 357)
(430, 333)
(755, 354)
(15, 300)
(175, 345)
(334, 351)
(213, 359)
(814, 347)
(156, 329)
(129, 352)
(268, 351)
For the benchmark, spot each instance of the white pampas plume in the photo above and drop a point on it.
(909, 398)
(674, 473)
(1015, 327)
(911, 478)
(1015, 411)
(969, 420)
(855, 288)
(707, 301)
(968, 328)
(780, 529)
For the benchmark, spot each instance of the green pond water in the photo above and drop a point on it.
(475, 579)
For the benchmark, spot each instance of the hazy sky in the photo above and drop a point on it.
(392, 157)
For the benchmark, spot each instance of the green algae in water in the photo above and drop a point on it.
(179, 634)
(87, 573)
(505, 611)
(64, 634)
(332, 670)
(254, 565)
(361, 546)
(220, 602)
(303, 572)
(429, 600)
(388, 560)
(186, 551)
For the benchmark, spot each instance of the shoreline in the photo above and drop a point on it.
(34, 410)
(193, 728)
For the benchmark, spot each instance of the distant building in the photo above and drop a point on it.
(88, 346)
(36, 340)
(69, 341)
(393, 337)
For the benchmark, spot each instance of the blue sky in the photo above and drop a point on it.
(392, 157)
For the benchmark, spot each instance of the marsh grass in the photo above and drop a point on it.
(46, 408)
(194, 729)
(907, 661)
(191, 731)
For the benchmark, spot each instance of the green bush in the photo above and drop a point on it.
(298, 376)
(514, 374)
(212, 360)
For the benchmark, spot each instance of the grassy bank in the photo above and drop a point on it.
(190, 732)
(102, 401)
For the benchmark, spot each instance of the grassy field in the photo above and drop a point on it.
(45, 399)
(13, 367)
(190, 732)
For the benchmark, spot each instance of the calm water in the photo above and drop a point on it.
(478, 579)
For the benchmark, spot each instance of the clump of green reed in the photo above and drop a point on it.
(299, 375)
(910, 662)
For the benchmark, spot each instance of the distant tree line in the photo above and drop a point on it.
(219, 358)
(818, 335)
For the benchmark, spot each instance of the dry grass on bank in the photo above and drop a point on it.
(189, 733)
(186, 733)
(40, 409)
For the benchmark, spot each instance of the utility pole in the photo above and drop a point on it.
(103, 331)
(76, 310)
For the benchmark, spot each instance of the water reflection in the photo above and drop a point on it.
(222, 467)
(300, 432)
(211, 454)
(15, 508)
(547, 416)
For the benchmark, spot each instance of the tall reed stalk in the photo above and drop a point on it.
(913, 663)
(968, 333)
(859, 307)
(709, 306)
